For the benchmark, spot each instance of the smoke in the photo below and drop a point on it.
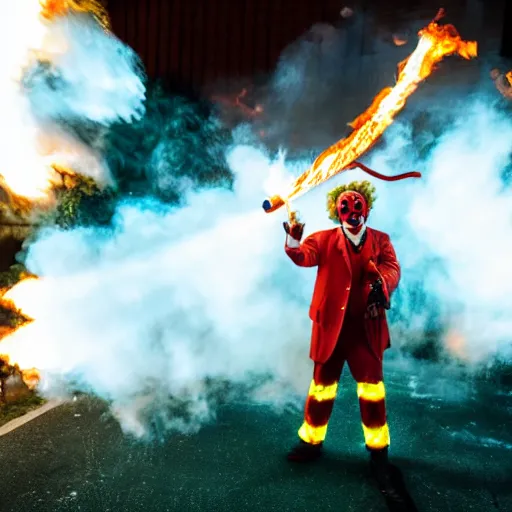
(76, 84)
(171, 299)
(454, 230)
(51, 76)
(162, 313)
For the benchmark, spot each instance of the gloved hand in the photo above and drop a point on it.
(294, 230)
(377, 297)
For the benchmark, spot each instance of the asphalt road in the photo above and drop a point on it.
(451, 441)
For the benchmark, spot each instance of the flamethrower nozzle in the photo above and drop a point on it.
(273, 203)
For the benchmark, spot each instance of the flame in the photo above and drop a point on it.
(238, 103)
(24, 298)
(399, 40)
(51, 9)
(435, 43)
(44, 156)
(503, 82)
(34, 177)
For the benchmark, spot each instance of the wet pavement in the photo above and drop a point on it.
(453, 445)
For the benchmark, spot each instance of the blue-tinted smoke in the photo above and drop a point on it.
(93, 77)
(147, 314)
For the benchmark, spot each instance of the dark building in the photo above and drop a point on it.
(506, 42)
(193, 43)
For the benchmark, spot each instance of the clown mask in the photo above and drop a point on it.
(352, 212)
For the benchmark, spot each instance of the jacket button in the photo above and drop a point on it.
(343, 307)
(348, 289)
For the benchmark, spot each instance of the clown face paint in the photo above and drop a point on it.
(352, 212)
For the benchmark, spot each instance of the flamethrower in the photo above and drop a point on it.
(435, 42)
(273, 203)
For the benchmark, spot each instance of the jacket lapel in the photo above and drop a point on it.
(369, 249)
(341, 244)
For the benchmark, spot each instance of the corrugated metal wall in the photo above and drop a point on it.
(506, 41)
(195, 42)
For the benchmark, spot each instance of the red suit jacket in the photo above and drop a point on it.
(328, 250)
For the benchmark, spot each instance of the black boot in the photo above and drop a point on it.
(305, 452)
(387, 476)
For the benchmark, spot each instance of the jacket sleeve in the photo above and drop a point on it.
(308, 252)
(388, 265)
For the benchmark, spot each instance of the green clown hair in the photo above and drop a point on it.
(365, 188)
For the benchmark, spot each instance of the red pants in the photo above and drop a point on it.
(366, 369)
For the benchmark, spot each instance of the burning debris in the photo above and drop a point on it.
(503, 82)
(238, 103)
(399, 39)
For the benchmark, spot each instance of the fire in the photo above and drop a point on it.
(24, 298)
(32, 175)
(503, 82)
(399, 40)
(43, 156)
(51, 9)
(239, 103)
(456, 344)
(435, 43)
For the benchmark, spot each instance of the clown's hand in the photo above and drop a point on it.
(377, 298)
(294, 232)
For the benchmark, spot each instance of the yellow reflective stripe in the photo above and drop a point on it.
(371, 392)
(320, 392)
(311, 434)
(377, 437)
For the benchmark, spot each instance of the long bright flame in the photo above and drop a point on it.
(18, 51)
(435, 43)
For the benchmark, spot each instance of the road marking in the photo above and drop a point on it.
(29, 416)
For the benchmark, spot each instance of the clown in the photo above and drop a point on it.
(357, 273)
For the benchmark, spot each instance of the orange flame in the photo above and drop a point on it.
(51, 9)
(503, 82)
(237, 102)
(399, 40)
(22, 298)
(435, 43)
(33, 176)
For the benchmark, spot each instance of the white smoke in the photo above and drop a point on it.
(463, 216)
(145, 315)
(93, 75)
(171, 298)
